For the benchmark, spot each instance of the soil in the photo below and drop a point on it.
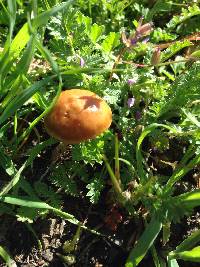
(110, 249)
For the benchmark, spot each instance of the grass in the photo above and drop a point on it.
(146, 52)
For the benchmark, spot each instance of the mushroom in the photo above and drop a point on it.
(77, 116)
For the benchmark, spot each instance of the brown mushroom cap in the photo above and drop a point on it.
(78, 115)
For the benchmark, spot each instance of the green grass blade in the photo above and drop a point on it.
(7, 258)
(30, 228)
(158, 261)
(18, 43)
(189, 242)
(6, 163)
(117, 165)
(113, 178)
(191, 117)
(144, 243)
(43, 114)
(9, 166)
(172, 263)
(23, 35)
(139, 158)
(11, 52)
(16, 77)
(13, 182)
(43, 18)
(180, 172)
(25, 61)
(189, 200)
(25, 202)
(46, 54)
(12, 9)
(187, 255)
(20, 99)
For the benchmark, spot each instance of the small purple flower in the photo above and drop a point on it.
(144, 29)
(131, 81)
(133, 40)
(138, 115)
(145, 40)
(131, 102)
(82, 62)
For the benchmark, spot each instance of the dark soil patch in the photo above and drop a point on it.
(110, 249)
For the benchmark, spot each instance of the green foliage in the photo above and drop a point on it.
(173, 49)
(25, 214)
(95, 187)
(179, 95)
(91, 151)
(190, 255)
(44, 191)
(6, 257)
(186, 14)
(159, 35)
(61, 178)
(153, 143)
(145, 242)
(110, 42)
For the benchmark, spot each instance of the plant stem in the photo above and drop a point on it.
(157, 65)
(117, 171)
(113, 178)
(179, 173)
(122, 51)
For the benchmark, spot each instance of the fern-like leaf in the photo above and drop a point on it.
(186, 14)
(46, 192)
(185, 89)
(61, 179)
(95, 187)
(173, 49)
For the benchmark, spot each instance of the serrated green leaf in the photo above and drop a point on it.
(110, 42)
(90, 151)
(46, 192)
(96, 32)
(95, 187)
(173, 49)
(25, 214)
(184, 90)
(160, 34)
(87, 21)
(61, 178)
(186, 14)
